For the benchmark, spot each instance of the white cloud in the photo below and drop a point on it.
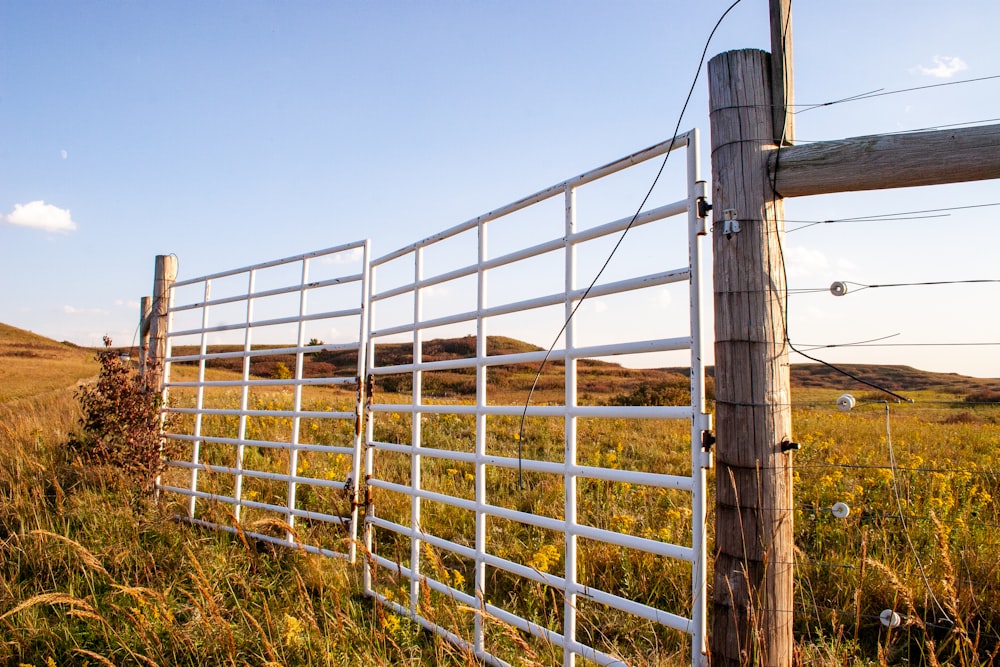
(347, 257)
(801, 261)
(64, 153)
(944, 67)
(598, 306)
(846, 264)
(71, 310)
(434, 290)
(127, 303)
(39, 215)
(662, 298)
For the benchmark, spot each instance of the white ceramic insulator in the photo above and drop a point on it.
(846, 403)
(841, 510)
(838, 288)
(890, 619)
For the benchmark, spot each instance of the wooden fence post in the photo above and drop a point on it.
(752, 599)
(164, 276)
(145, 308)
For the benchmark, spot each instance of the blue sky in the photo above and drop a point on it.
(231, 133)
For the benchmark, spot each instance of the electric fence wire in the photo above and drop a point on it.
(890, 217)
(621, 238)
(783, 300)
(937, 625)
(881, 92)
(899, 505)
(816, 346)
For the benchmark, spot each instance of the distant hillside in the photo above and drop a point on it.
(895, 378)
(595, 377)
(31, 364)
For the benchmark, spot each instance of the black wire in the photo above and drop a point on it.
(846, 373)
(881, 92)
(978, 281)
(680, 118)
(892, 216)
(814, 346)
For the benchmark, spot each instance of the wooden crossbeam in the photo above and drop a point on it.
(884, 161)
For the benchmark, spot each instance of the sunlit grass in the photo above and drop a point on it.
(90, 570)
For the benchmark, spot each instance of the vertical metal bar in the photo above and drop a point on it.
(300, 360)
(354, 488)
(416, 394)
(569, 481)
(168, 348)
(482, 349)
(244, 398)
(700, 419)
(199, 401)
(368, 534)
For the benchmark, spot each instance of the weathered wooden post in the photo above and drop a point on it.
(164, 275)
(145, 307)
(752, 606)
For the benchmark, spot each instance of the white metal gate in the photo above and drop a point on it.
(476, 499)
(469, 483)
(253, 443)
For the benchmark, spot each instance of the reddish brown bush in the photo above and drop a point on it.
(120, 426)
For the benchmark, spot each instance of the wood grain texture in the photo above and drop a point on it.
(879, 162)
(164, 276)
(782, 73)
(752, 606)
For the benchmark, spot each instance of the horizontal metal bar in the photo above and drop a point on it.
(290, 289)
(342, 521)
(553, 637)
(277, 262)
(589, 411)
(610, 350)
(674, 551)
(228, 412)
(659, 480)
(492, 560)
(554, 245)
(260, 474)
(430, 626)
(678, 142)
(639, 609)
(265, 352)
(263, 538)
(332, 449)
(557, 298)
(291, 382)
(293, 319)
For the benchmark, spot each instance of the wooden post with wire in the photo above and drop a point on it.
(782, 82)
(145, 308)
(750, 92)
(164, 275)
(752, 605)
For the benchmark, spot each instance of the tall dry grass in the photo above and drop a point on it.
(92, 571)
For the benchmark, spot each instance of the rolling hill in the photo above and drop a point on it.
(31, 364)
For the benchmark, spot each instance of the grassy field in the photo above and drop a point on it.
(91, 572)
(32, 365)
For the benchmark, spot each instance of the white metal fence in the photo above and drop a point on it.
(478, 503)
(252, 442)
